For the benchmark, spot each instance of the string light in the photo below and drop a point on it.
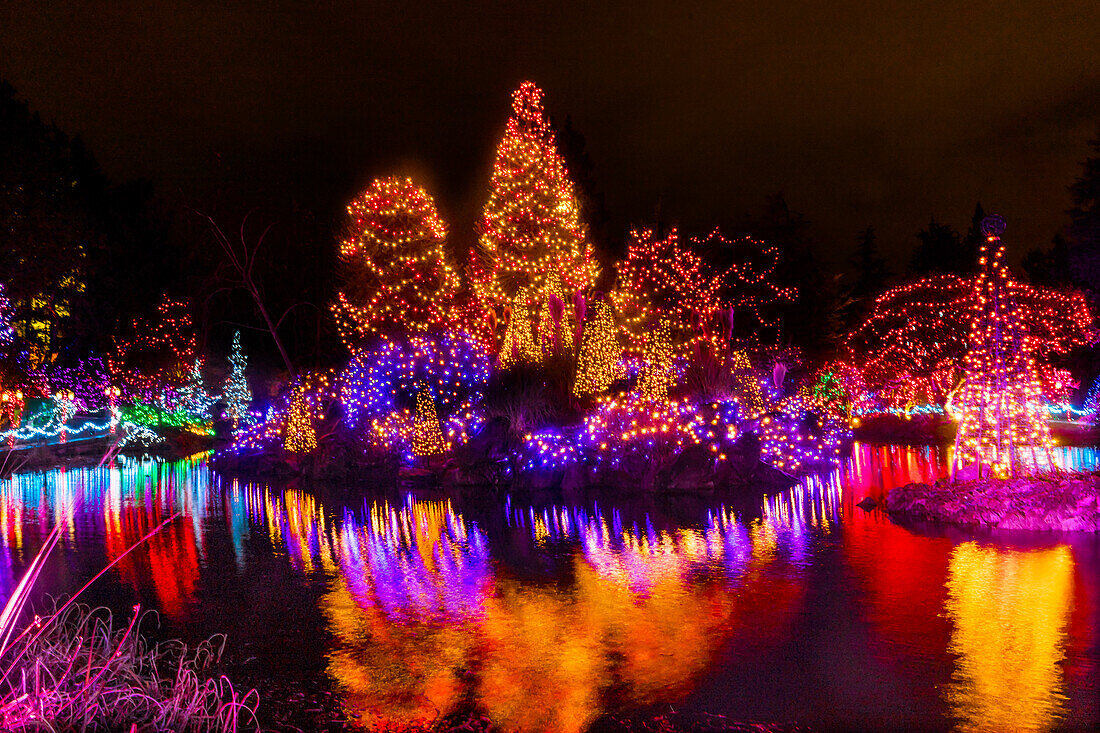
(912, 345)
(530, 227)
(395, 263)
(599, 353)
(664, 278)
(1002, 424)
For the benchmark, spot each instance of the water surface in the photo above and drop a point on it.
(795, 608)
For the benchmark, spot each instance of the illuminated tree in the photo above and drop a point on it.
(748, 385)
(656, 375)
(193, 397)
(911, 346)
(427, 436)
(299, 435)
(661, 277)
(236, 392)
(520, 345)
(1002, 419)
(530, 227)
(396, 270)
(599, 353)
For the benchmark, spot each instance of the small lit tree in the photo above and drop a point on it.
(656, 375)
(1002, 419)
(427, 436)
(299, 435)
(599, 353)
(236, 392)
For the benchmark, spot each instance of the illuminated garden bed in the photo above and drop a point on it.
(1056, 501)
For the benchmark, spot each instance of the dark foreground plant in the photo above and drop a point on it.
(71, 670)
(86, 674)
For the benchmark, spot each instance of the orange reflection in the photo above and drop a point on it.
(1009, 611)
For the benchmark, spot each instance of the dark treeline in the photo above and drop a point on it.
(83, 257)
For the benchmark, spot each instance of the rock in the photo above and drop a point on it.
(1033, 503)
(867, 504)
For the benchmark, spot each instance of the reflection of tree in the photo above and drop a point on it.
(425, 626)
(169, 558)
(1010, 611)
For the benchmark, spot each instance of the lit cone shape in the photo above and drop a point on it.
(1002, 419)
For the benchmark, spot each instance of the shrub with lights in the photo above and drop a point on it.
(385, 376)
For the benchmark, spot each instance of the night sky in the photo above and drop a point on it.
(861, 114)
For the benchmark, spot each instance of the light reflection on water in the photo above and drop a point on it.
(547, 616)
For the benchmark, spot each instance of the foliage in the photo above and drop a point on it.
(530, 228)
(396, 271)
(84, 673)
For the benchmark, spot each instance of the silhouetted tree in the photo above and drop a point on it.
(942, 251)
(1049, 266)
(78, 255)
(1083, 233)
(811, 319)
(871, 275)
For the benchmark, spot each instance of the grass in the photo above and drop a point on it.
(87, 673)
(73, 670)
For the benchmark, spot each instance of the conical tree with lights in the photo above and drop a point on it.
(193, 397)
(1003, 428)
(396, 272)
(530, 228)
(599, 353)
(236, 392)
(427, 439)
(299, 435)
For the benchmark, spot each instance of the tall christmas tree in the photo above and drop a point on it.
(397, 273)
(236, 392)
(530, 227)
(1003, 423)
(599, 353)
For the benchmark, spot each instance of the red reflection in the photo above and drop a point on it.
(169, 558)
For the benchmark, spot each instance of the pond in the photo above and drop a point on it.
(799, 608)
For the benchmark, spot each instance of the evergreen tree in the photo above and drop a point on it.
(236, 392)
(870, 280)
(530, 226)
(396, 270)
(1049, 267)
(1083, 232)
(941, 251)
(193, 397)
(599, 353)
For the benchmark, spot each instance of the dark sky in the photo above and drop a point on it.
(861, 112)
